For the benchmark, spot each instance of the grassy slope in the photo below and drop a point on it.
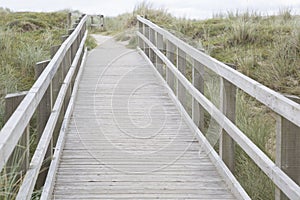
(265, 48)
(25, 38)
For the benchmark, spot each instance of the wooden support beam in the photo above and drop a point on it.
(181, 65)
(19, 159)
(228, 107)
(171, 52)
(44, 108)
(146, 33)
(92, 22)
(54, 49)
(198, 82)
(152, 38)
(288, 149)
(43, 112)
(160, 45)
(140, 41)
(69, 19)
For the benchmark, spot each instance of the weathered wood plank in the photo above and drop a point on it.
(20, 157)
(228, 107)
(198, 83)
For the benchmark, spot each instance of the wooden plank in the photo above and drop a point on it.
(275, 101)
(181, 65)
(140, 41)
(28, 183)
(43, 113)
(53, 51)
(146, 33)
(171, 56)
(20, 156)
(152, 38)
(160, 45)
(286, 184)
(69, 19)
(198, 83)
(44, 108)
(228, 107)
(13, 129)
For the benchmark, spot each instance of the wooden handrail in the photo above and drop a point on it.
(13, 129)
(273, 100)
(270, 98)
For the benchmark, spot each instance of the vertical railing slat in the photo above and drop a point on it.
(160, 46)
(20, 155)
(171, 52)
(198, 82)
(228, 107)
(181, 65)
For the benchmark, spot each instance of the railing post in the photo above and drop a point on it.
(181, 65)
(146, 34)
(288, 149)
(55, 87)
(43, 113)
(198, 82)
(74, 45)
(69, 19)
(153, 41)
(56, 81)
(21, 152)
(161, 47)
(140, 41)
(44, 108)
(92, 22)
(228, 107)
(171, 56)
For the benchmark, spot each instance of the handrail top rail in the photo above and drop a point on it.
(16, 124)
(272, 99)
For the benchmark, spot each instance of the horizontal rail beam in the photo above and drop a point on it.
(285, 183)
(275, 101)
(13, 129)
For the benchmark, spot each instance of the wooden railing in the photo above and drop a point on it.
(169, 55)
(48, 98)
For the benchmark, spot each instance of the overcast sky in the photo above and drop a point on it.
(180, 8)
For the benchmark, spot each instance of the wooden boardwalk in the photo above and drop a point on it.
(120, 130)
(127, 139)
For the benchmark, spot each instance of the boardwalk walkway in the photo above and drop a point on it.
(127, 140)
